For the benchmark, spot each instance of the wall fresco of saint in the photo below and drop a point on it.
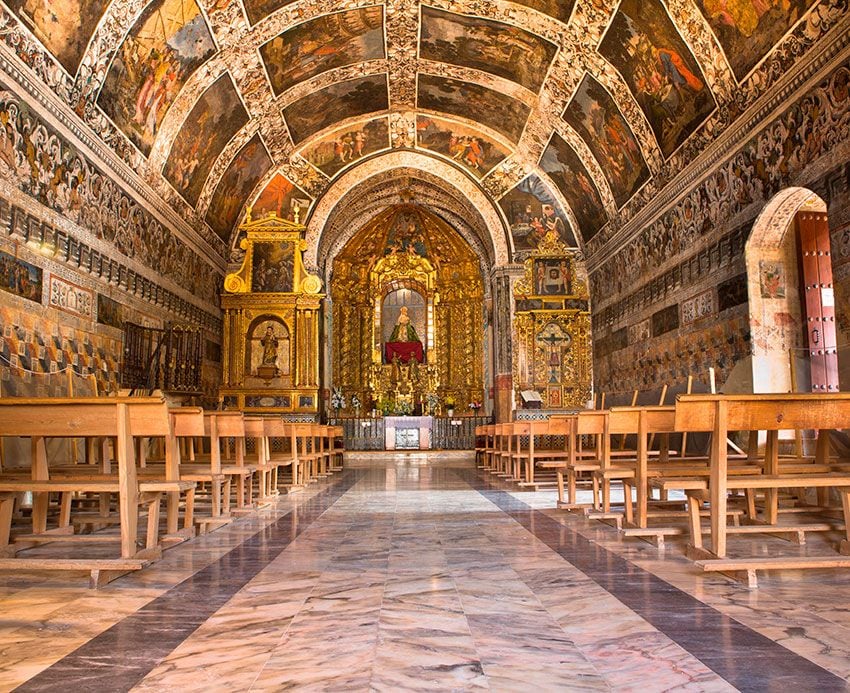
(501, 49)
(164, 47)
(331, 41)
(282, 197)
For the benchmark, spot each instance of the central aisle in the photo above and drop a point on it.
(418, 578)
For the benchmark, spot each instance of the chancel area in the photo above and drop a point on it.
(424, 345)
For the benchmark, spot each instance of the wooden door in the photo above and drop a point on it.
(818, 299)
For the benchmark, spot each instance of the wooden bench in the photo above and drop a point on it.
(772, 413)
(121, 418)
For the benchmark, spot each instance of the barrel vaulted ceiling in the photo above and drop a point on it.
(590, 106)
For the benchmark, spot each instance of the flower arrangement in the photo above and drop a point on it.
(450, 402)
(337, 400)
(475, 405)
(355, 401)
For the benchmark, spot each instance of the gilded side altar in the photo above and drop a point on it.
(552, 326)
(272, 313)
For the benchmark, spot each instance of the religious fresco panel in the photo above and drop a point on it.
(483, 44)
(594, 115)
(20, 278)
(165, 46)
(532, 212)
(346, 146)
(749, 30)
(258, 9)
(567, 172)
(64, 28)
(349, 99)
(662, 73)
(463, 144)
(273, 270)
(282, 197)
(559, 9)
(322, 44)
(245, 171)
(211, 124)
(473, 102)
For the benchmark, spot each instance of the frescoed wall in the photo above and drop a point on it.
(348, 146)
(533, 211)
(462, 144)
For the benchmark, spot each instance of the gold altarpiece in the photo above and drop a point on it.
(552, 326)
(408, 261)
(272, 313)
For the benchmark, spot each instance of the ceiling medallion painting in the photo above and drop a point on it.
(533, 212)
(333, 104)
(748, 30)
(473, 102)
(567, 172)
(660, 69)
(593, 114)
(501, 49)
(331, 41)
(462, 144)
(245, 171)
(213, 122)
(63, 27)
(165, 46)
(347, 146)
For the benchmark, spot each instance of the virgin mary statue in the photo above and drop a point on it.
(404, 330)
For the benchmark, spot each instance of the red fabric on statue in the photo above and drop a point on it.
(404, 350)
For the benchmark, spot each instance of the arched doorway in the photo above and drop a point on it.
(408, 315)
(791, 300)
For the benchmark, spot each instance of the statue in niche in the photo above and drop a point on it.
(404, 331)
(270, 345)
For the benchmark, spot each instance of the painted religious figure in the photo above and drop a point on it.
(552, 277)
(403, 326)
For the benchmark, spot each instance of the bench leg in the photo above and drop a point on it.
(226, 495)
(559, 474)
(190, 510)
(628, 508)
(215, 490)
(39, 512)
(7, 504)
(844, 547)
(152, 536)
(65, 509)
(694, 524)
(750, 495)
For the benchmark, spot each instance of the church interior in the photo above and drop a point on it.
(424, 345)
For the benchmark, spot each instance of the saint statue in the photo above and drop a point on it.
(270, 344)
(404, 330)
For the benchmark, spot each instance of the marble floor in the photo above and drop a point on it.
(409, 576)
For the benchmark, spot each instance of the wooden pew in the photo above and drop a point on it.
(277, 429)
(721, 414)
(579, 461)
(119, 418)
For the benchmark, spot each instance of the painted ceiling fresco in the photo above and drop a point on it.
(568, 114)
(165, 46)
(501, 49)
(343, 38)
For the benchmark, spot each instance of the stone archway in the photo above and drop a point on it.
(779, 349)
